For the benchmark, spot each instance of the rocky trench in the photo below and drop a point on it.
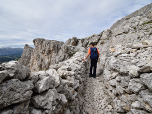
(128, 78)
(58, 83)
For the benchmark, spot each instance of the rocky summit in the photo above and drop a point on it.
(53, 79)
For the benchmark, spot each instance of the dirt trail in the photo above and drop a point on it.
(96, 99)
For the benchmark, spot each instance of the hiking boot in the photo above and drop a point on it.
(94, 76)
(90, 75)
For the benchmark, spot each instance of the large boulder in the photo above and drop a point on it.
(118, 105)
(119, 65)
(146, 68)
(135, 85)
(22, 108)
(53, 73)
(45, 100)
(147, 96)
(147, 80)
(13, 69)
(44, 84)
(133, 71)
(15, 91)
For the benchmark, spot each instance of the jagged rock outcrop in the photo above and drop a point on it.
(26, 56)
(73, 41)
(48, 52)
(56, 78)
(145, 11)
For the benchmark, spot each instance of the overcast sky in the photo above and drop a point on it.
(21, 21)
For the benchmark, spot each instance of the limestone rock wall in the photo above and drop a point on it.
(15, 88)
(125, 58)
(128, 77)
(60, 89)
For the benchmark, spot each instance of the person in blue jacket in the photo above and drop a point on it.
(94, 55)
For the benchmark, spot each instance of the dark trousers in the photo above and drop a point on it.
(93, 65)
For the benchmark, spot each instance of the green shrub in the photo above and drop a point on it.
(149, 22)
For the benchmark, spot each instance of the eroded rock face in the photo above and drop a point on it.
(26, 56)
(48, 52)
(44, 54)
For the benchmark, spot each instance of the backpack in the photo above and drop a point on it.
(94, 53)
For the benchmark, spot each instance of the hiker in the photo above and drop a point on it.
(94, 55)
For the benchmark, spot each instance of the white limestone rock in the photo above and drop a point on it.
(44, 84)
(147, 96)
(45, 100)
(118, 65)
(63, 99)
(113, 82)
(125, 81)
(106, 34)
(146, 78)
(118, 105)
(146, 68)
(133, 71)
(13, 69)
(135, 85)
(136, 105)
(53, 73)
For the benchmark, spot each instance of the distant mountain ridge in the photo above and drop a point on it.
(9, 51)
(8, 54)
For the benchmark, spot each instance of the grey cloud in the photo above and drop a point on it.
(60, 19)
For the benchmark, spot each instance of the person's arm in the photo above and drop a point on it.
(86, 57)
(89, 52)
(98, 53)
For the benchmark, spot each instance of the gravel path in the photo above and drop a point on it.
(96, 99)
